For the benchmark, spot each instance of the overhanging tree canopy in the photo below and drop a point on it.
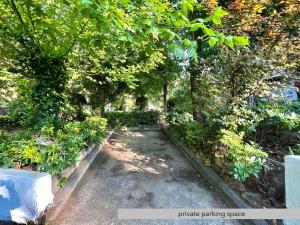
(112, 39)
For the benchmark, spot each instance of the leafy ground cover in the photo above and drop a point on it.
(51, 149)
(250, 160)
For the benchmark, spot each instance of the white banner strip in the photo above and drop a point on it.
(208, 214)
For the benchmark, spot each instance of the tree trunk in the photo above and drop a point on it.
(196, 95)
(47, 94)
(165, 96)
(195, 75)
(122, 106)
(141, 102)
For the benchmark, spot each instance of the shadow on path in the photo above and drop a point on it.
(140, 169)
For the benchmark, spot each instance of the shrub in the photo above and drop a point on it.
(282, 114)
(48, 130)
(57, 157)
(131, 119)
(94, 128)
(243, 159)
(6, 120)
(178, 123)
(194, 132)
(51, 150)
(17, 147)
(295, 150)
(20, 111)
(246, 159)
(185, 128)
(6, 158)
(29, 152)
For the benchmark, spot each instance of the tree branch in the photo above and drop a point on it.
(15, 9)
(74, 41)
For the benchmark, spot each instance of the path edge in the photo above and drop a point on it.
(230, 197)
(64, 193)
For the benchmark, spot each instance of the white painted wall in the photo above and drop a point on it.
(292, 185)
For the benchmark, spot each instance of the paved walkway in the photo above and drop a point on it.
(140, 169)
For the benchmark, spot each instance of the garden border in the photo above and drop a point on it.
(228, 195)
(74, 173)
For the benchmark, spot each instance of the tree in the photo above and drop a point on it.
(35, 38)
(203, 40)
(46, 40)
(272, 26)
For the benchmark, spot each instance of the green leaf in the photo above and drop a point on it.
(86, 1)
(220, 12)
(190, 6)
(154, 31)
(179, 23)
(186, 6)
(207, 19)
(212, 42)
(229, 41)
(195, 26)
(168, 34)
(196, 58)
(192, 49)
(221, 38)
(179, 53)
(240, 41)
(186, 42)
(147, 21)
(207, 30)
(172, 47)
(191, 52)
(184, 9)
(216, 20)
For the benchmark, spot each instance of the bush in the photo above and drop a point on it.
(131, 119)
(282, 114)
(242, 159)
(185, 128)
(178, 122)
(246, 159)
(6, 121)
(194, 133)
(94, 128)
(15, 148)
(51, 150)
(58, 156)
(6, 158)
(20, 109)
(295, 150)
(48, 130)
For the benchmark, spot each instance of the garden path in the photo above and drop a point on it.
(138, 169)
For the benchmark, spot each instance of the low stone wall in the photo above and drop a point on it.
(75, 173)
(231, 198)
(24, 195)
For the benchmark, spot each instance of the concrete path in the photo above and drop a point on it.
(140, 169)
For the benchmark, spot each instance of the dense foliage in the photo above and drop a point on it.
(131, 119)
(224, 107)
(214, 65)
(50, 150)
(96, 47)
